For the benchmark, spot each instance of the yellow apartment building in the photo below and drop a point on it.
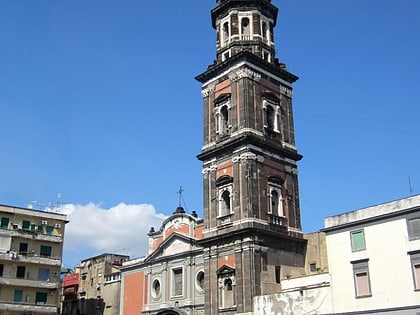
(31, 249)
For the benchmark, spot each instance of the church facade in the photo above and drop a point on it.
(250, 235)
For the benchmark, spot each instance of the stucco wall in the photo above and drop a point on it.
(390, 273)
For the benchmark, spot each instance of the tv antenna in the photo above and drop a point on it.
(409, 185)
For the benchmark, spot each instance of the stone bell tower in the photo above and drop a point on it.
(252, 236)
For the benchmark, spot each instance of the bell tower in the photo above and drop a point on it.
(252, 236)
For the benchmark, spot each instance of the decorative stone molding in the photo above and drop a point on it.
(244, 73)
(286, 91)
(244, 157)
(206, 92)
(210, 169)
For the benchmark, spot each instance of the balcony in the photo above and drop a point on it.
(277, 220)
(28, 283)
(7, 307)
(223, 220)
(32, 235)
(30, 258)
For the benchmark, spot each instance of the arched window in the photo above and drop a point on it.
(225, 33)
(245, 29)
(270, 117)
(224, 203)
(228, 293)
(222, 113)
(226, 280)
(276, 202)
(264, 30)
(224, 119)
(224, 185)
(275, 196)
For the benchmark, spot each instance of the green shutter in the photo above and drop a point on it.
(358, 240)
(45, 251)
(50, 230)
(26, 224)
(41, 298)
(4, 223)
(18, 296)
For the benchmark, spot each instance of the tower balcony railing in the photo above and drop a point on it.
(277, 220)
(225, 219)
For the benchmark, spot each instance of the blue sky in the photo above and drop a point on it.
(100, 111)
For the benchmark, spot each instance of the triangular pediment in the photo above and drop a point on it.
(225, 270)
(174, 244)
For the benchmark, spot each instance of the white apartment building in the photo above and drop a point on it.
(374, 259)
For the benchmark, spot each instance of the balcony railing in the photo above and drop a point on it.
(31, 235)
(28, 283)
(277, 220)
(7, 307)
(30, 258)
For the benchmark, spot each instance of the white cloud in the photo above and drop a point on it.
(93, 230)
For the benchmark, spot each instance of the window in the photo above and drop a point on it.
(4, 223)
(20, 272)
(312, 267)
(50, 230)
(225, 33)
(156, 288)
(41, 298)
(245, 29)
(224, 185)
(275, 196)
(23, 248)
(413, 225)
(272, 114)
(357, 240)
(177, 281)
(264, 30)
(43, 274)
(224, 202)
(222, 113)
(277, 274)
(26, 224)
(45, 251)
(226, 280)
(415, 266)
(200, 281)
(1, 270)
(17, 297)
(361, 278)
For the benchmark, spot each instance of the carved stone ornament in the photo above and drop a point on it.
(209, 169)
(246, 157)
(244, 73)
(206, 92)
(286, 91)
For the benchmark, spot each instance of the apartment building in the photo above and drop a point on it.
(374, 258)
(31, 248)
(69, 300)
(99, 284)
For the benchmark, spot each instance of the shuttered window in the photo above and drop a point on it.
(45, 251)
(415, 266)
(361, 278)
(414, 228)
(357, 240)
(4, 223)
